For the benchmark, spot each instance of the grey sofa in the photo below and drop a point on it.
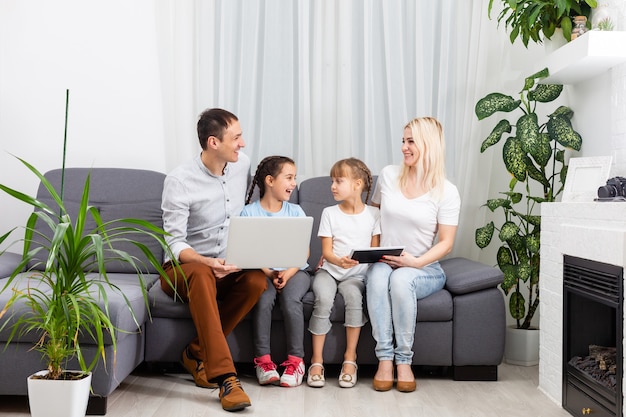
(461, 326)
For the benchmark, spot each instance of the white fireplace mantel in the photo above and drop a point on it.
(593, 230)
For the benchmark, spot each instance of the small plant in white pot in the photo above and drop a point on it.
(534, 158)
(59, 290)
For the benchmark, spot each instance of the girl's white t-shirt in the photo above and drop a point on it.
(348, 231)
(412, 223)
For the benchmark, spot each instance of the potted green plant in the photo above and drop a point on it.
(530, 19)
(534, 155)
(65, 299)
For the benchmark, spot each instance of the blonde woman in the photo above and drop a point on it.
(419, 209)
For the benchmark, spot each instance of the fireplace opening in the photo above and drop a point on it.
(592, 337)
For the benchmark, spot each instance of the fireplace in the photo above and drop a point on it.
(591, 231)
(592, 337)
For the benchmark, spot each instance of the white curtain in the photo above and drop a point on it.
(321, 80)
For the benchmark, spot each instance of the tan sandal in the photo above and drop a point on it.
(348, 380)
(316, 381)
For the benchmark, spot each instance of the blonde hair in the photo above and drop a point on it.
(355, 169)
(427, 134)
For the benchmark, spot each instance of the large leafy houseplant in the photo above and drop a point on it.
(534, 155)
(529, 19)
(64, 298)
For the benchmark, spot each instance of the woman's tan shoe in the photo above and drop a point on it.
(406, 386)
(382, 385)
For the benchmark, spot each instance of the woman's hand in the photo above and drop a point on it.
(405, 259)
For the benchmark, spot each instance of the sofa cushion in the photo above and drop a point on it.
(129, 293)
(8, 262)
(464, 276)
(435, 307)
(162, 305)
(116, 193)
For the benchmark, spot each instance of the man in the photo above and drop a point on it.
(199, 198)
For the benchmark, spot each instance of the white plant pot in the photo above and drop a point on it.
(521, 346)
(50, 398)
(555, 42)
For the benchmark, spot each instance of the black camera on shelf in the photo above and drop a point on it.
(615, 187)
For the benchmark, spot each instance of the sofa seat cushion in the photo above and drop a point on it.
(464, 276)
(435, 307)
(129, 292)
(162, 305)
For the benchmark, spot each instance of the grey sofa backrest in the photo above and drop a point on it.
(313, 196)
(117, 193)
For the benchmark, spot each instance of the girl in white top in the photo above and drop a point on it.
(419, 209)
(348, 225)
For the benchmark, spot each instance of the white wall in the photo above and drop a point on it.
(106, 55)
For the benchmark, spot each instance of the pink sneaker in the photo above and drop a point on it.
(266, 370)
(294, 372)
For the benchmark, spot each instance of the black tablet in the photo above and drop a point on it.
(371, 255)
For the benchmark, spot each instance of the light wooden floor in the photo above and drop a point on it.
(153, 395)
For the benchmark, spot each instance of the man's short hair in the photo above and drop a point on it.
(213, 122)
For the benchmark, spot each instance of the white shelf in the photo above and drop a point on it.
(591, 54)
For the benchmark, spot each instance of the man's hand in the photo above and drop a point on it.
(221, 268)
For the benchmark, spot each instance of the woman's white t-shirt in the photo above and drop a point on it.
(412, 222)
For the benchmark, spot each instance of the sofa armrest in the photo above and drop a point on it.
(8, 262)
(464, 276)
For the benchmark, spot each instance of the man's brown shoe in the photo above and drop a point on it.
(232, 396)
(196, 368)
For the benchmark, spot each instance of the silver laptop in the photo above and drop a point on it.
(268, 242)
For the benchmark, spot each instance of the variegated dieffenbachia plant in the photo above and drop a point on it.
(534, 154)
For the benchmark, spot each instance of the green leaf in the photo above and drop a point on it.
(494, 203)
(504, 257)
(495, 135)
(535, 173)
(563, 174)
(495, 102)
(513, 156)
(517, 305)
(566, 24)
(563, 111)
(508, 231)
(524, 271)
(515, 197)
(528, 131)
(532, 219)
(529, 81)
(510, 278)
(542, 152)
(560, 129)
(532, 243)
(483, 235)
(545, 93)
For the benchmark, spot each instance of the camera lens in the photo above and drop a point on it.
(607, 191)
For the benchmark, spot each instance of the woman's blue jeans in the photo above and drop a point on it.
(392, 296)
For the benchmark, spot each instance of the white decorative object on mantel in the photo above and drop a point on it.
(584, 176)
(608, 12)
(555, 42)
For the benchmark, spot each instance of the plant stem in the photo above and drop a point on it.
(67, 104)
